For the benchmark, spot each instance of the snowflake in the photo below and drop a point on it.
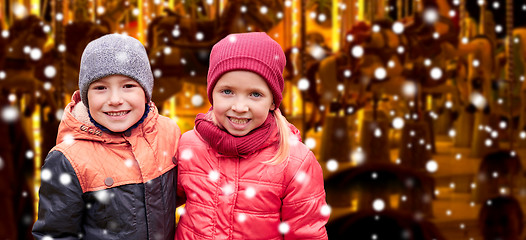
(284, 228)
(121, 57)
(103, 196)
(65, 178)
(46, 174)
(213, 175)
(187, 154)
(250, 192)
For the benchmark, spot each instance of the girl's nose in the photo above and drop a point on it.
(240, 106)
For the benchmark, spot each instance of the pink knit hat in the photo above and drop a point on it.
(255, 52)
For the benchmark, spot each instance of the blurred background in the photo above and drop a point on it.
(415, 109)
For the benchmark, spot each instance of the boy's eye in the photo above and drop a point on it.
(130, 86)
(99, 87)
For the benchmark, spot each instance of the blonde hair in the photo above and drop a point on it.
(284, 135)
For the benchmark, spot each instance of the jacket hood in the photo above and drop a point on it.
(75, 124)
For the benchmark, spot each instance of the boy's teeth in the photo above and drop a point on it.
(239, 121)
(116, 113)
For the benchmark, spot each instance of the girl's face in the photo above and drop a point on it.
(116, 102)
(242, 101)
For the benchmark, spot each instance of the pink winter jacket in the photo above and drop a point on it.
(242, 198)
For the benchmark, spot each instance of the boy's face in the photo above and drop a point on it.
(241, 101)
(116, 102)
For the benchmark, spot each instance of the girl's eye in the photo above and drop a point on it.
(226, 91)
(256, 94)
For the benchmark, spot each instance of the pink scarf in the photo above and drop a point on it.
(228, 144)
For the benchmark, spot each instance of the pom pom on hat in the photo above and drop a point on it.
(255, 52)
(115, 54)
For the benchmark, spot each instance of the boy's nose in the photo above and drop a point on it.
(115, 98)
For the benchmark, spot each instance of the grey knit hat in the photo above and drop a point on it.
(115, 54)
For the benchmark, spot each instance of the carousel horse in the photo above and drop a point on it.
(412, 189)
(387, 224)
(179, 47)
(498, 174)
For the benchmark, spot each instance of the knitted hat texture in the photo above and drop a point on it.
(115, 54)
(255, 52)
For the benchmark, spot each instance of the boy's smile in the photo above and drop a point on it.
(242, 101)
(116, 102)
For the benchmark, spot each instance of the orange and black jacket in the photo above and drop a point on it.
(97, 185)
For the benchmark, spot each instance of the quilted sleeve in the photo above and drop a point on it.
(304, 211)
(60, 206)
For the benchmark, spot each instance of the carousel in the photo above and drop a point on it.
(415, 109)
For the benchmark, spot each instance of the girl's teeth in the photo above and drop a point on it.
(239, 121)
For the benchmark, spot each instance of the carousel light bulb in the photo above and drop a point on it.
(197, 100)
(452, 13)
(380, 73)
(135, 12)
(349, 37)
(279, 15)
(523, 135)
(357, 51)
(496, 5)
(288, 3)
(310, 143)
(398, 123)
(475, 63)
(199, 36)
(436, 35)
(427, 62)
(263, 9)
(391, 64)
(498, 28)
(157, 73)
(2, 75)
(101, 10)
(303, 84)
(343, 6)
(430, 15)
(400, 49)
(210, 2)
(465, 40)
(322, 17)
(431, 166)
(503, 125)
(376, 28)
(35, 54)
(46, 28)
(176, 33)
(378, 205)
(409, 89)
(5, 33)
(347, 73)
(313, 15)
(358, 156)
(377, 132)
(340, 87)
(47, 86)
(332, 165)
(436, 73)
(488, 142)
(61, 47)
(478, 100)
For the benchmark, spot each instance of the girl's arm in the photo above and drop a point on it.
(304, 208)
(60, 207)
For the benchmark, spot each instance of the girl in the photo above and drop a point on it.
(111, 174)
(243, 170)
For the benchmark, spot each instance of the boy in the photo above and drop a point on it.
(111, 174)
